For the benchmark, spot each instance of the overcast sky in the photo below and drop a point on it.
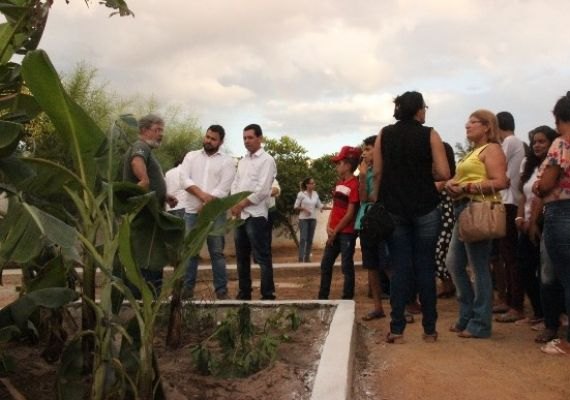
(325, 72)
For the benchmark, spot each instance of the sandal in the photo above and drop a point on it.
(556, 347)
(509, 317)
(546, 336)
(465, 335)
(430, 337)
(394, 338)
(374, 315)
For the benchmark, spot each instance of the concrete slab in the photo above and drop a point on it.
(334, 374)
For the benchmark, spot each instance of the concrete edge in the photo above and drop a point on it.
(334, 374)
(333, 380)
(229, 267)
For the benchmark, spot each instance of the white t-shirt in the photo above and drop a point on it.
(174, 188)
(309, 202)
(527, 190)
(513, 148)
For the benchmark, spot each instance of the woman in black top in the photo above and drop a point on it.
(408, 159)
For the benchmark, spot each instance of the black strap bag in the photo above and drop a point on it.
(377, 223)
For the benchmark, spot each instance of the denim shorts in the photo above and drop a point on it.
(374, 255)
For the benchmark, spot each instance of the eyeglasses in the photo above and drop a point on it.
(474, 121)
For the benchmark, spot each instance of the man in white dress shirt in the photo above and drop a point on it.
(513, 294)
(206, 175)
(255, 173)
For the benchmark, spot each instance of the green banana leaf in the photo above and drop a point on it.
(77, 128)
(18, 312)
(156, 236)
(10, 134)
(26, 229)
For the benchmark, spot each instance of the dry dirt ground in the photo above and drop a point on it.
(509, 365)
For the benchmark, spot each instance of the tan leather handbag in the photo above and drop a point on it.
(482, 220)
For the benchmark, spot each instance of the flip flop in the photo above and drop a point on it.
(553, 347)
(374, 315)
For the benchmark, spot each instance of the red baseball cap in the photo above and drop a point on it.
(347, 152)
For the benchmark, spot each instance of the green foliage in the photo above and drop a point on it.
(102, 224)
(237, 348)
(292, 167)
(324, 173)
(180, 137)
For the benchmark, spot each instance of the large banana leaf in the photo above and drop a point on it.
(206, 219)
(48, 179)
(10, 134)
(156, 236)
(84, 137)
(26, 229)
(18, 312)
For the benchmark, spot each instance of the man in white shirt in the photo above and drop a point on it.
(174, 188)
(255, 173)
(513, 294)
(207, 174)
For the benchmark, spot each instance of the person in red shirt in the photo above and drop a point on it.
(340, 227)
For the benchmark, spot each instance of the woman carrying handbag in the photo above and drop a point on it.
(480, 174)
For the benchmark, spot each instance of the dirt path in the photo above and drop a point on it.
(507, 366)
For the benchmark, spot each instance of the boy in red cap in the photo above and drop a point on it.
(340, 227)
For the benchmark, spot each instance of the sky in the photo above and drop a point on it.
(324, 72)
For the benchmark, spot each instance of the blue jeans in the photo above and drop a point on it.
(252, 237)
(344, 244)
(306, 235)
(528, 262)
(551, 291)
(557, 240)
(412, 251)
(475, 301)
(216, 245)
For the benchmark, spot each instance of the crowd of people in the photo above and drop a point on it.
(412, 173)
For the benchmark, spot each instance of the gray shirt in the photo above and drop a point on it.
(153, 169)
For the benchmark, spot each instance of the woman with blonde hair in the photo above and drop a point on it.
(481, 173)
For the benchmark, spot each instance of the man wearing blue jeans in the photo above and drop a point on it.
(340, 226)
(207, 174)
(256, 172)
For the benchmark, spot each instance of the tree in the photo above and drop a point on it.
(292, 167)
(181, 136)
(324, 174)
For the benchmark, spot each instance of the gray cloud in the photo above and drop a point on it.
(325, 71)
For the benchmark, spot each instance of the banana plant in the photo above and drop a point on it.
(100, 229)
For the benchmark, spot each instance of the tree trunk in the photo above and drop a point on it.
(291, 229)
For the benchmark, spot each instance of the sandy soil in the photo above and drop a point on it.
(509, 365)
